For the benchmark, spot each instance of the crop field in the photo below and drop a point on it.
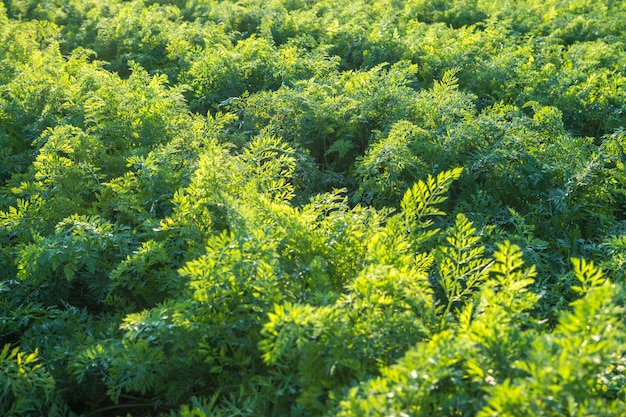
(312, 208)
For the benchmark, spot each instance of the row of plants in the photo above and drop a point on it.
(307, 208)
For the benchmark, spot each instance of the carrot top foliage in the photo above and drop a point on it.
(312, 208)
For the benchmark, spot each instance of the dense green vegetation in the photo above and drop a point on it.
(312, 208)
